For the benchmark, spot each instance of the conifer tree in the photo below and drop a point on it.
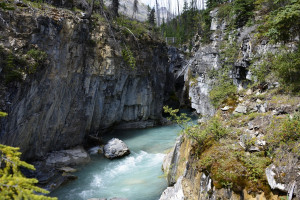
(115, 8)
(13, 184)
(151, 17)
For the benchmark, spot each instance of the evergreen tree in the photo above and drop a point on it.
(151, 17)
(13, 184)
(115, 8)
(135, 7)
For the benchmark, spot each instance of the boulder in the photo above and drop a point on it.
(115, 148)
(117, 198)
(75, 156)
(173, 193)
(241, 109)
(284, 174)
(67, 169)
(226, 108)
(97, 199)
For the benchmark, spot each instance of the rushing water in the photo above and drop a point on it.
(136, 177)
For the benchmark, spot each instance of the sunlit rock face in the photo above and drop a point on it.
(86, 87)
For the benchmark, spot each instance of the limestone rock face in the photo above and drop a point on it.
(173, 193)
(86, 87)
(115, 148)
(284, 174)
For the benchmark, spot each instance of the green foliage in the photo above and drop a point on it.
(182, 119)
(129, 58)
(137, 28)
(187, 25)
(221, 92)
(39, 58)
(3, 114)
(243, 10)
(212, 130)
(287, 133)
(11, 71)
(6, 6)
(281, 21)
(284, 23)
(13, 185)
(287, 69)
(284, 67)
(151, 17)
(233, 168)
(214, 3)
(38, 55)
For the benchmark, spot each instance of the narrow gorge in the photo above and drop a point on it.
(75, 74)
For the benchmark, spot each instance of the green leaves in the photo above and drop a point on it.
(128, 57)
(285, 23)
(13, 185)
(3, 114)
(182, 119)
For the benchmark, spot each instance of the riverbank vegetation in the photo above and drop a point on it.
(235, 148)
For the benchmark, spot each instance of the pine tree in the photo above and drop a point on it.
(151, 17)
(13, 184)
(115, 8)
(135, 7)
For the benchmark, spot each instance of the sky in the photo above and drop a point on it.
(164, 3)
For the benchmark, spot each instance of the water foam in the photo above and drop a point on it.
(132, 164)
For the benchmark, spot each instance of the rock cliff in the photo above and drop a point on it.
(238, 164)
(84, 88)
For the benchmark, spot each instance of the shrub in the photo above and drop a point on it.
(128, 57)
(287, 69)
(221, 92)
(11, 71)
(287, 133)
(284, 23)
(243, 10)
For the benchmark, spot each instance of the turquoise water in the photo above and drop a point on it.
(136, 177)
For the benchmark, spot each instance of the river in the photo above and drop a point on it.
(135, 177)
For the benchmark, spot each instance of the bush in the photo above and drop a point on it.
(284, 23)
(287, 133)
(284, 67)
(221, 92)
(128, 57)
(287, 69)
(243, 10)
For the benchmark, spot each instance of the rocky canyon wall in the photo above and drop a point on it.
(85, 87)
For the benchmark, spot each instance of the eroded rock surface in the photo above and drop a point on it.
(86, 86)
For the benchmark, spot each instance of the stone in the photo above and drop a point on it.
(258, 101)
(97, 199)
(167, 161)
(175, 192)
(67, 169)
(83, 88)
(249, 92)
(117, 198)
(252, 125)
(262, 108)
(241, 109)
(226, 108)
(284, 173)
(75, 156)
(271, 174)
(115, 148)
(254, 149)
